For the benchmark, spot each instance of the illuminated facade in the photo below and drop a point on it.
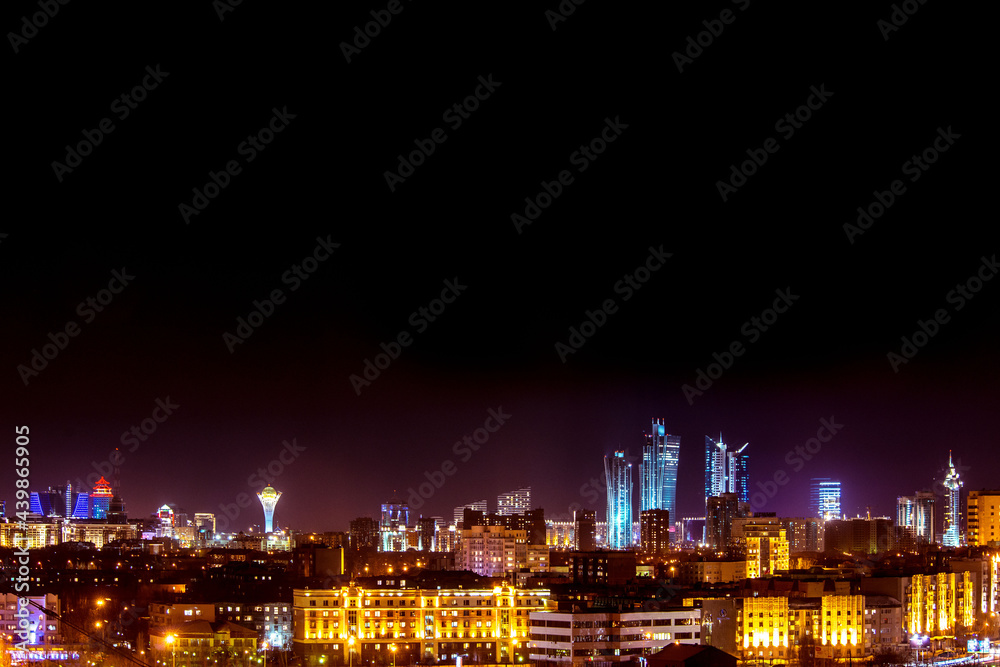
(81, 508)
(32, 536)
(915, 515)
(43, 630)
(936, 603)
(952, 507)
(658, 469)
(764, 628)
(268, 499)
(772, 628)
(487, 625)
(605, 636)
(478, 506)
(492, 551)
(726, 471)
(618, 475)
(767, 550)
(983, 518)
(654, 531)
(196, 642)
(824, 498)
(100, 499)
(517, 501)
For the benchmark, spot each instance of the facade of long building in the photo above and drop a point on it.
(486, 624)
(593, 637)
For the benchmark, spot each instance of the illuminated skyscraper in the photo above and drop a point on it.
(513, 502)
(268, 499)
(952, 507)
(824, 498)
(100, 499)
(658, 469)
(726, 471)
(393, 526)
(915, 514)
(618, 475)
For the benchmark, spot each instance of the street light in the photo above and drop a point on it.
(265, 654)
(350, 651)
(392, 647)
(170, 639)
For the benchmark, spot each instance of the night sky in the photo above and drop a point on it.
(388, 246)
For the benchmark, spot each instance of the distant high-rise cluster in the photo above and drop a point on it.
(824, 498)
(726, 471)
(101, 503)
(618, 475)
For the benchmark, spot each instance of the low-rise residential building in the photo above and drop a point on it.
(606, 636)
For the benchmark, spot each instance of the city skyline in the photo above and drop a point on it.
(568, 252)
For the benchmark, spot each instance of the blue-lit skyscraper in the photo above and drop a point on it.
(824, 498)
(658, 470)
(618, 475)
(952, 536)
(726, 471)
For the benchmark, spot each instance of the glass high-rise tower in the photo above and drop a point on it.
(618, 475)
(658, 470)
(952, 507)
(824, 498)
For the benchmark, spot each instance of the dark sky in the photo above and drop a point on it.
(876, 103)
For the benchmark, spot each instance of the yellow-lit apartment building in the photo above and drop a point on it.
(352, 624)
(771, 630)
(983, 518)
(937, 603)
(767, 550)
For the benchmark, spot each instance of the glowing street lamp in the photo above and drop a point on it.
(170, 639)
(392, 648)
(350, 651)
(265, 654)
